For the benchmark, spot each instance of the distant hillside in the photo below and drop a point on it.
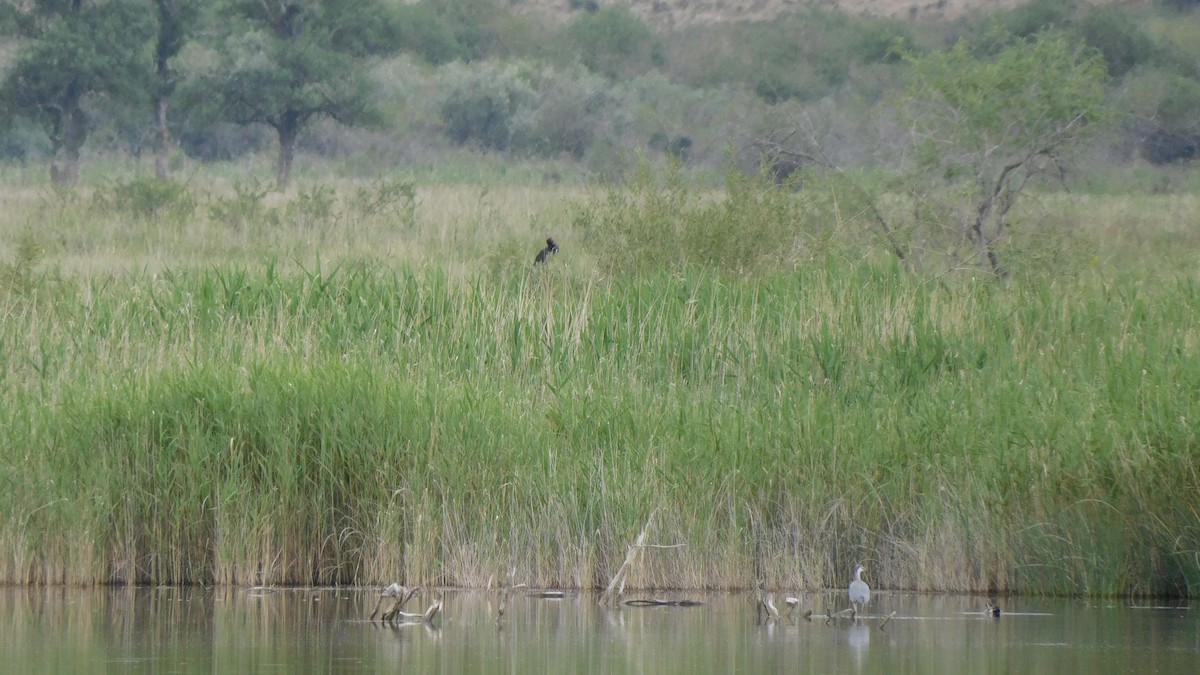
(667, 13)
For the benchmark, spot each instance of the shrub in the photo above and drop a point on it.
(655, 223)
(312, 207)
(246, 208)
(23, 139)
(520, 108)
(149, 198)
(391, 200)
(222, 141)
(1109, 30)
(1177, 109)
(483, 103)
(464, 30)
(664, 115)
(614, 43)
(1030, 18)
(881, 41)
(428, 35)
(799, 56)
(1117, 38)
(1161, 106)
(1166, 147)
(1180, 5)
(17, 276)
(575, 109)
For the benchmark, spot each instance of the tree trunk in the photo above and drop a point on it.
(984, 242)
(162, 138)
(174, 22)
(998, 199)
(73, 134)
(288, 129)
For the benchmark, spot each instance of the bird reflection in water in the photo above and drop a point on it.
(859, 640)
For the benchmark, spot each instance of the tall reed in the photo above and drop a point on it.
(246, 426)
(359, 422)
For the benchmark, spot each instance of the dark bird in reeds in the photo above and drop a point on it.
(551, 247)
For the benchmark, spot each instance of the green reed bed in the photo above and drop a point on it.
(360, 424)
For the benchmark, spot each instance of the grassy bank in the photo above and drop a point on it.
(367, 417)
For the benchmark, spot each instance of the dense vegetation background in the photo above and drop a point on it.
(361, 89)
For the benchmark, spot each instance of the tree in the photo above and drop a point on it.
(298, 60)
(177, 19)
(985, 127)
(77, 49)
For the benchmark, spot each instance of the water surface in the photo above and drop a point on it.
(193, 630)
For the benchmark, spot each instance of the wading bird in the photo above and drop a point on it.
(860, 592)
(551, 247)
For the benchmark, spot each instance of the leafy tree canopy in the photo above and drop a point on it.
(290, 61)
(990, 124)
(77, 49)
(91, 47)
(1034, 96)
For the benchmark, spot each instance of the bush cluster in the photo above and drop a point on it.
(527, 109)
(148, 198)
(656, 223)
(806, 55)
(604, 84)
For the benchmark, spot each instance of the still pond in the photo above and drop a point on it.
(198, 630)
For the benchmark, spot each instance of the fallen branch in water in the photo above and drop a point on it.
(409, 617)
(402, 594)
(653, 602)
(766, 601)
(617, 585)
(849, 610)
(792, 603)
(396, 613)
(502, 605)
(885, 621)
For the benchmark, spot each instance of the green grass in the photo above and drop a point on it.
(183, 405)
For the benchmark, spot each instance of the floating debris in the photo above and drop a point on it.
(654, 602)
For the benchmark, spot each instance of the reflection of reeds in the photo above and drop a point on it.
(348, 422)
